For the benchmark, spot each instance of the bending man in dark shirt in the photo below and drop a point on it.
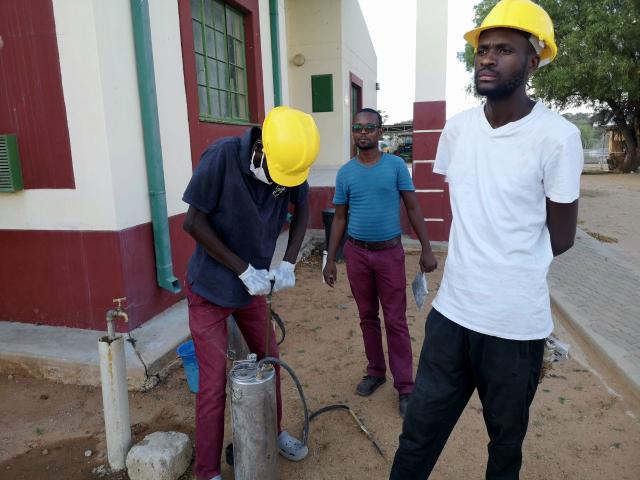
(238, 200)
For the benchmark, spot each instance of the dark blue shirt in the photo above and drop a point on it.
(242, 211)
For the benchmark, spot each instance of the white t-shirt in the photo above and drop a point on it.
(499, 248)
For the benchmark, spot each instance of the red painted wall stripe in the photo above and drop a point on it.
(68, 278)
(31, 98)
(430, 116)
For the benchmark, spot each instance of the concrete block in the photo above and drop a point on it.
(160, 456)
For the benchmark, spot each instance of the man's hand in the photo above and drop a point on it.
(284, 276)
(428, 261)
(330, 273)
(256, 281)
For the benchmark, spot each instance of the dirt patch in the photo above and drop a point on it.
(579, 429)
(609, 210)
(600, 237)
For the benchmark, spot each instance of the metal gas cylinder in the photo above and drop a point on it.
(254, 420)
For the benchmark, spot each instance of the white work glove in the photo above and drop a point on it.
(256, 281)
(283, 275)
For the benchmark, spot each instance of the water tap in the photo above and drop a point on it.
(113, 314)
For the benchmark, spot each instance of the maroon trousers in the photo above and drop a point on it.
(379, 275)
(208, 325)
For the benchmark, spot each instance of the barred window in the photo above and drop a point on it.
(219, 48)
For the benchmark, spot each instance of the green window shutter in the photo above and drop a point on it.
(322, 93)
(10, 171)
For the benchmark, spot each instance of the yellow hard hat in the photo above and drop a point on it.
(291, 142)
(521, 15)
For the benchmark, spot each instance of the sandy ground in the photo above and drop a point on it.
(584, 423)
(610, 206)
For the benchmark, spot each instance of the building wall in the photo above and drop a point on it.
(36, 115)
(359, 59)
(314, 30)
(70, 251)
(265, 44)
(334, 38)
(429, 115)
(99, 81)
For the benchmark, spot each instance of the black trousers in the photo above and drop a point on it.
(454, 362)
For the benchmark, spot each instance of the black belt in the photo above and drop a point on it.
(375, 245)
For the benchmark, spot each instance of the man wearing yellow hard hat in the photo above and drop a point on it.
(513, 168)
(238, 200)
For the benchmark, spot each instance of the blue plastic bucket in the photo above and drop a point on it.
(187, 353)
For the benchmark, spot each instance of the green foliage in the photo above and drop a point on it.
(598, 62)
(592, 136)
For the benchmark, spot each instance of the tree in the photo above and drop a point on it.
(384, 115)
(598, 64)
(591, 136)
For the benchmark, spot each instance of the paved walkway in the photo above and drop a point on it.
(598, 290)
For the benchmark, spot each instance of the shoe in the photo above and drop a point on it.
(291, 448)
(369, 384)
(402, 404)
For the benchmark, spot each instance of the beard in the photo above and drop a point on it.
(505, 88)
(366, 145)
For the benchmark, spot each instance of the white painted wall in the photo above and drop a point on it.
(121, 112)
(172, 101)
(314, 30)
(89, 206)
(97, 62)
(359, 58)
(333, 37)
(431, 51)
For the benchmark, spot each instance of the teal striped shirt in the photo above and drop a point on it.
(373, 196)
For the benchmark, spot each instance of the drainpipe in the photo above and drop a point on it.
(275, 52)
(152, 148)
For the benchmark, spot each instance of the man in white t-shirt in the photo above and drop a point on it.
(513, 169)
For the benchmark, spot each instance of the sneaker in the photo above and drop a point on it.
(291, 448)
(402, 404)
(369, 384)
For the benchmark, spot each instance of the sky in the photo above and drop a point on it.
(393, 33)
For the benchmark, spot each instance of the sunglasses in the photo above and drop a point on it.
(366, 128)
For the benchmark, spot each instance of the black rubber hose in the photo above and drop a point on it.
(278, 319)
(328, 408)
(277, 361)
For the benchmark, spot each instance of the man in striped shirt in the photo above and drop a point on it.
(367, 199)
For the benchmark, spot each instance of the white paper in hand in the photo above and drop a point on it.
(420, 291)
(324, 263)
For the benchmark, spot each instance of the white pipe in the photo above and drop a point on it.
(115, 400)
